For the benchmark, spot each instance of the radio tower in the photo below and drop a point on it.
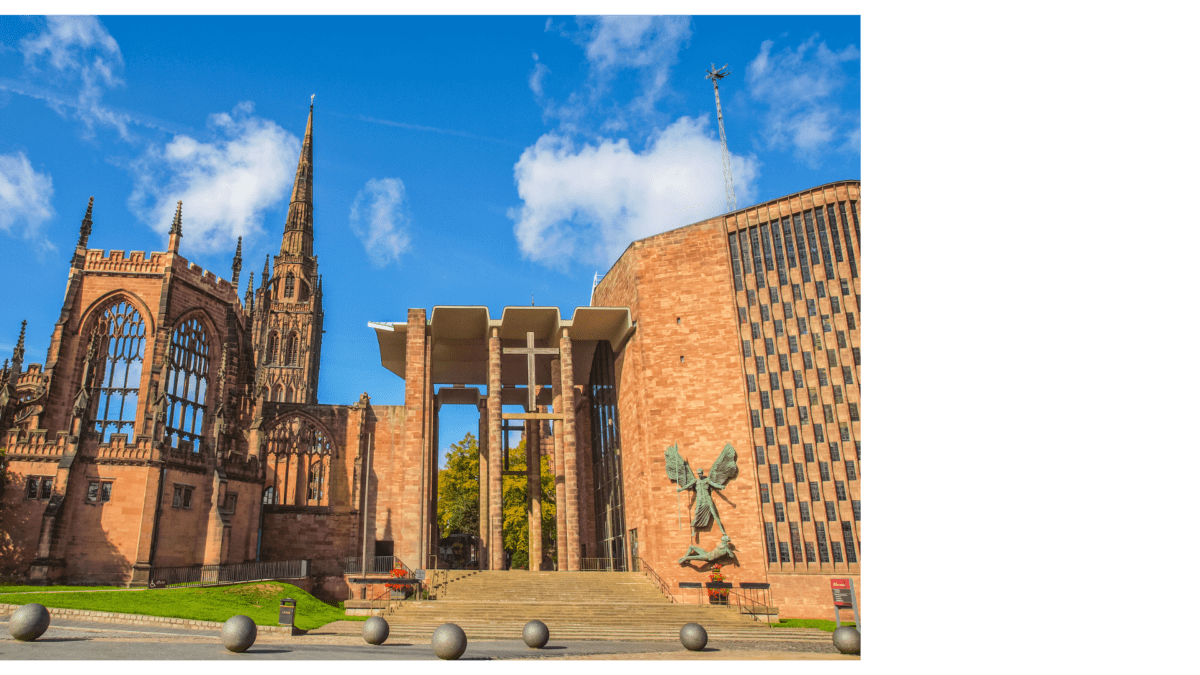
(715, 74)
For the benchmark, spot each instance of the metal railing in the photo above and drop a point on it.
(380, 564)
(210, 575)
(640, 565)
(602, 564)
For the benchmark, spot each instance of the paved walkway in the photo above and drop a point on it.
(73, 640)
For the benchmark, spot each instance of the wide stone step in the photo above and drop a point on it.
(512, 631)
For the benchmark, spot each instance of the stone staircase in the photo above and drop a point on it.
(495, 605)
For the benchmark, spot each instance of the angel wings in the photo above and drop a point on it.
(724, 468)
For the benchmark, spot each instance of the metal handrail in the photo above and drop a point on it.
(380, 564)
(662, 585)
(602, 564)
(211, 575)
(744, 601)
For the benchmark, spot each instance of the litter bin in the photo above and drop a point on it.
(287, 613)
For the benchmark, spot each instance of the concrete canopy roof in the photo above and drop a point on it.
(459, 337)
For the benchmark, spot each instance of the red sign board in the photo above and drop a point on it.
(842, 595)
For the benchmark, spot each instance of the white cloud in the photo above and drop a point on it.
(378, 218)
(83, 54)
(535, 78)
(588, 202)
(225, 184)
(649, 44)
(24, 198)
(799, 87)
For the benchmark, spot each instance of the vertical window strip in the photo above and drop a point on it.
(848, 537)
(734, 259)
(768, 257)
(830, 511)
(796, 542)
(805, 514)
(856, 505)
(780, 515)
(824, 243)
(822, 548)
(798, 469)
(746, 266)
(857, 234)
(809, 552)
(759, 278)
(813, 239)
(787, 238)
(849, 245)
(851, 472)
(769, 530)
(760, 454)
(783, 548)
(833, 232)
(837, 550)
(779, 252)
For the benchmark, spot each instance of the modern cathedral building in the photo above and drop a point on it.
(705, 407)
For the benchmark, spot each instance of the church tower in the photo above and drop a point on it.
(288, 316)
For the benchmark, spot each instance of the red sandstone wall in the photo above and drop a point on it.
(21, 518)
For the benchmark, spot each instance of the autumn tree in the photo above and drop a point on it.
(458, 489)
(516, 518)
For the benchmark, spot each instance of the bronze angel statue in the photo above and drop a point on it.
(723, 470)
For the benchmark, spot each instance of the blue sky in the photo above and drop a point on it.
(458, 160)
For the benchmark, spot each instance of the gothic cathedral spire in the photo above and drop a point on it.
(298, 231)
(288, 339)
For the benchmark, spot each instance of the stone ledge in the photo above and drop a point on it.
(139, 619)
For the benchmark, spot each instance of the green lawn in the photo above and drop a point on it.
(259, 601)
(820, 624)
(46, 589)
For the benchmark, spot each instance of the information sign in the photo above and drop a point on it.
(842, 595)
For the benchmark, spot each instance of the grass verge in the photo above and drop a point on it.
(819, 624)
(52, 589)
(259, 601)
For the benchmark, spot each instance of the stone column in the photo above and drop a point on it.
(495, 445)
(484, 524)
(533, 470)
(560, 480)
(570, 465)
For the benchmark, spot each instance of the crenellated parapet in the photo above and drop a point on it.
(33, 446)
(115, 261)
(243, 468)
(118, 450)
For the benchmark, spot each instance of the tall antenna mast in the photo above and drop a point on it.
(715, 74)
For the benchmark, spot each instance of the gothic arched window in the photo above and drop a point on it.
(289, 287)
(118, 370)
(187, 384)
(272, 347)
(276, 393)
(291, 395)
(269, 495)
(291, 350)
(298, 454)
(316, 483)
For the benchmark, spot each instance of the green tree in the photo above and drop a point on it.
(516, 520)
(458, 489)
(458, 499)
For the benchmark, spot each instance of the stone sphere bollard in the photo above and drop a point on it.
(239, 633)
(29, 622)
(693, 636)
(376, 630)
(536, 634)
(847, 640)
(449, 641)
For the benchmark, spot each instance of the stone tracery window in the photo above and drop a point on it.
(298, 452)
(118, 373)
(272, 347)
(289, 288)
(187, 384)
(291, 349)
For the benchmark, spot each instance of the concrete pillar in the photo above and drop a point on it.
(570, 463)
(495, 444)
(560, 480)
(484, 525)
(533, 470)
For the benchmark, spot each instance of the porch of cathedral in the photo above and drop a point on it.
(461, 346)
